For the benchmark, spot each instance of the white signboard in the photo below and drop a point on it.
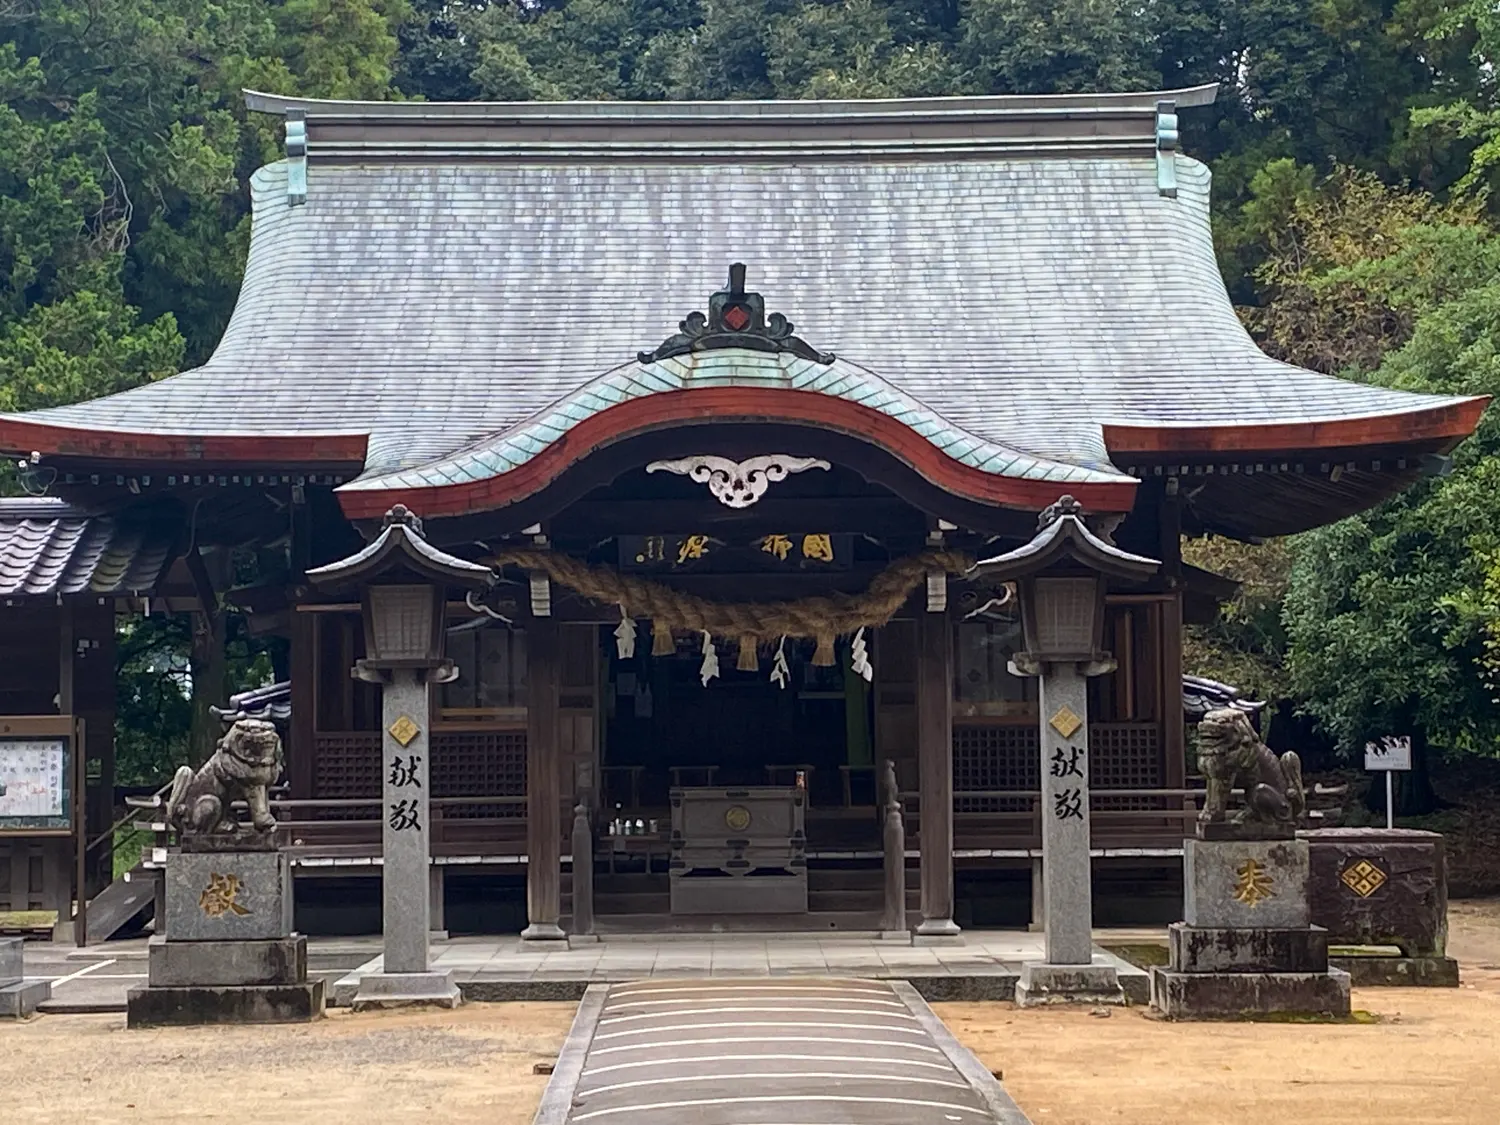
(1388, 754)
(33, 780)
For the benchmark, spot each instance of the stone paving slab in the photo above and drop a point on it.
(814, 1051)
(491, 968)
(985, 967)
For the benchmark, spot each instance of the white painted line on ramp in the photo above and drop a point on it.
(84, 971)
(767, 1099)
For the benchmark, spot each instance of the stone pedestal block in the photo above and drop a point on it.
(179, 964)
(11, 951)
(1204, 996)
(398, 990)
(222, 896)
(190, 1005)
(1367, 971)
(1380, 886)
(228, 955)
(1245, 884)
(18, 997)
(1040, 983)
(1194, 949)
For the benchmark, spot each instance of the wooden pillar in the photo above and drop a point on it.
(304, 672)
(67, 644)
(935, 771)
(543, 792)
(1174, 735)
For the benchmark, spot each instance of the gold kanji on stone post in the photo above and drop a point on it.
(1252, 884)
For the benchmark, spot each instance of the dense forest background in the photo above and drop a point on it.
(1355, 147)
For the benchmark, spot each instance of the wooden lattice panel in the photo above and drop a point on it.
(995, 758)
(347, 765)
(480, 764)
(1125, 756)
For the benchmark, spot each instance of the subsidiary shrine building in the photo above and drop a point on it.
(731, 397)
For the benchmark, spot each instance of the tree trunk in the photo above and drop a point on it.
(1414, 793)
(209, 662)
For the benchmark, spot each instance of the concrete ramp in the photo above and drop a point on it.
(802, 1051)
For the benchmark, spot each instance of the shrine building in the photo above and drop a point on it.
(732, 398)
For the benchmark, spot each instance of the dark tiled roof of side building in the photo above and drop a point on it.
(48, 549)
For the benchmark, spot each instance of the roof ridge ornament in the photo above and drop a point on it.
(1167, 138)
(736, 319)
(296, 157)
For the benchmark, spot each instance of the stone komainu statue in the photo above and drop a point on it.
(1229, 754)
(246, 761)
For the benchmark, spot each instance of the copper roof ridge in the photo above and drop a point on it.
(825, 110)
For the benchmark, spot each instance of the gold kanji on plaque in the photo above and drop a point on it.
(1065, 722)
(818, 547)
(403, 730)
(652, 550)
(778, 545)
(221, 896)
(1363, 878)
(693, 547)
(1252, 883)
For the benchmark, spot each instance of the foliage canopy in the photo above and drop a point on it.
(1354, 144)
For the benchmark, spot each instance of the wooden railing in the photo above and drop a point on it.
(345, 824)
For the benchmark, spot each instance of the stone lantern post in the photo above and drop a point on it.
(403, 584)
(1060, 580)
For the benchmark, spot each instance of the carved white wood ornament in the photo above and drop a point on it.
(738, 484)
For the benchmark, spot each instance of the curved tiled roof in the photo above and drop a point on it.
(683, 379)
(49, 549)
(1031, 299)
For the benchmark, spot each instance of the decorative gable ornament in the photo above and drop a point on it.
(736, 319)
(738, 484)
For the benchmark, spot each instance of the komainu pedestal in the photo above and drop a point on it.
(1245, 947)
(228, 954)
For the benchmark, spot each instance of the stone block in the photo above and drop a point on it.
(1195, 949)
(1207, 996)
(399, 990)
(229, 896)
(184, 1006)
(1245, 884)
(1041, 983)
(20, 998)
(11, 952)
(1379, 886)
(1399, 972)
(180, 964)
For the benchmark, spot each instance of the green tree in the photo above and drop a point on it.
(1057, 46)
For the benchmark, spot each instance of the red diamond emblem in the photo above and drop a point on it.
(736, 319)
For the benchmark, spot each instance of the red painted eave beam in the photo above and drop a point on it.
(736, 404)
(1452, 422)
(22, 438)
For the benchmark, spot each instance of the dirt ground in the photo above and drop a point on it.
(1430, 1055)
(469, 1066)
